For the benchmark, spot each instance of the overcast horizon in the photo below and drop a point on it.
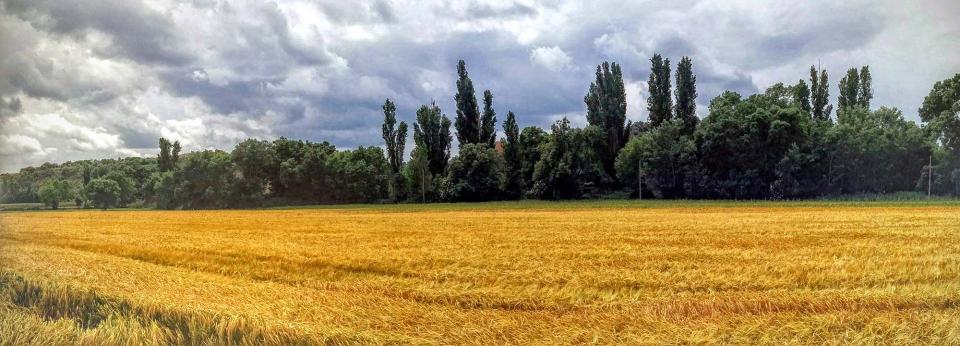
(106, 79)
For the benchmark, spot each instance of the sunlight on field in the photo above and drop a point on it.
(485, 274)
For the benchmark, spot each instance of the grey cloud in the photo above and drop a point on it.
(9, 107)
(833, 33)
(483, 10)
(138, 33)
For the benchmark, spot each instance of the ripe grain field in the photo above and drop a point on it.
(499, 273)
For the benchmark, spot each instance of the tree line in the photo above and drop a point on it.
(784, 143)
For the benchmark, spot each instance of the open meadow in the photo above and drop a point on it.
(494, 273)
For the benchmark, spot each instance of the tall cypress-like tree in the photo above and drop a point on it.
(819, 94)
(488, 129)
(686, 93)
(866, 87)
(175, 154)
(801, 96)
(607, 110)
(432, 133)
(511, 154)
(468, 112)
(849, 89)
(660, 101)
(395, 136)
(163, 159)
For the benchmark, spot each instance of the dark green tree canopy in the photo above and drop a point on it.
(801, 96)
(660, 102)
(607, 111)
(820, 94)
(488, 129)
(467, 122)
(103, 193)
(512, 157)
(476, 174)
(394, 136)
(53, 192)
(941, 111)
(686, 93)
(532, 142)
(432, 133)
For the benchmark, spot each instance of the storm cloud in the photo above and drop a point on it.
(106, 78)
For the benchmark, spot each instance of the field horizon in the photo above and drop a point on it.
(527, 272)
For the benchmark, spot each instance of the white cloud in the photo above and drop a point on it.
(21, 145)
(552, 58)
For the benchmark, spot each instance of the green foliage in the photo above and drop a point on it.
(512, 159)
(125, 184)
(468, 112)
(165, 189)
(941, 111)
(659, 103)
(205, 179)
(395, 138)
(169, 155)
(532, 142)
(418, 177)
(943, 97)
(103, 193)
(607, 111)
(256, 161)
(741, 142)
(801, 95)
(820, 94)
(849, 89)
(52, 192)
(875, 152)
(301, 172)
(568, 167)
(866, 88)
(668, 160)
(361, 175)
(432, 133)
(686, 94)
(476, 174)
(488, 124)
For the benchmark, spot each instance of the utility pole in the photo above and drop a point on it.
(423, 185)
(930, 177)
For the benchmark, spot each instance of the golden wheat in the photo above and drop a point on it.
(590, 272)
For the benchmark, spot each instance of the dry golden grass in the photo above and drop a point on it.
(514, 273)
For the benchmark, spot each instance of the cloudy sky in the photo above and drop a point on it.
(106, 78)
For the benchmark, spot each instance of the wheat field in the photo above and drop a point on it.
(499, 273)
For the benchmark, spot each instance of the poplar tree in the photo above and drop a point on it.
(801, 96)
(849, 89)
(467, 122)
(866, 87)
(432, 133)
(395, 138)
(819, 94)
(607, 111)
(511, 154)
(488, 130)
(686, 94)
(163, 159)
(659, 103)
